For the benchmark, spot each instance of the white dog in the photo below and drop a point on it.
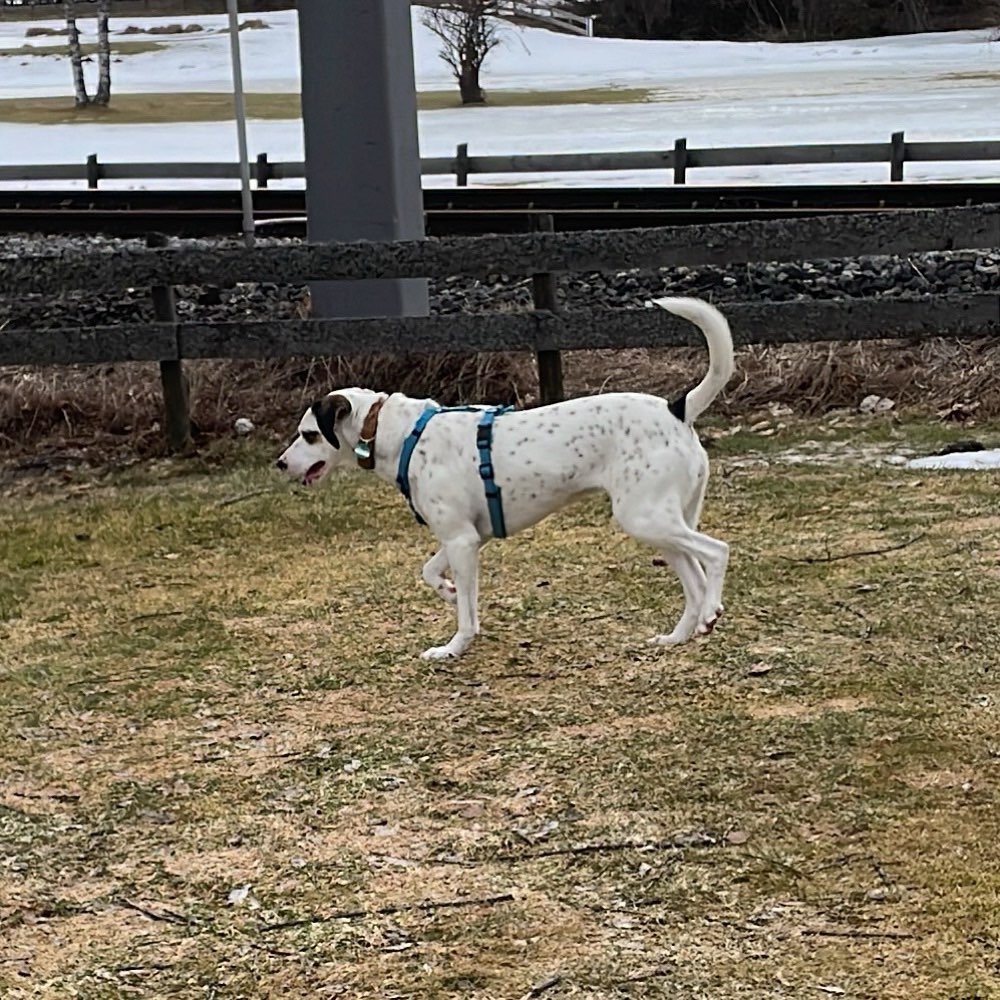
(642, 451)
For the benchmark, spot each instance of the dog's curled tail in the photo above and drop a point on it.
(720, 354)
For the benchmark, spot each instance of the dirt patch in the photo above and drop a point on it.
(796, 710)
(661, 722)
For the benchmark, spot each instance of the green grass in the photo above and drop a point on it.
(130, 109)
(198, 695)
(127, 48)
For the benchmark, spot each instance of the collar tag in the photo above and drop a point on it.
(363, 449)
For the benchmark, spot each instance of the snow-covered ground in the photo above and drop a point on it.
(932, 86)
(987, 459)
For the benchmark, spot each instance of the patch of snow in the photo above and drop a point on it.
(934, 86)
(987, 459)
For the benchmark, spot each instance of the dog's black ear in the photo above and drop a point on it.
(327, 412)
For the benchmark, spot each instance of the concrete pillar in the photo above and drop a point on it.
(359, 110)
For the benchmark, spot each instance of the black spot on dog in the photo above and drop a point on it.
(327, 412)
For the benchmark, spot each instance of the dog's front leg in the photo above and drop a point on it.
(462, 555)
(433, 574)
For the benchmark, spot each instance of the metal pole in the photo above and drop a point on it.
(241, 122)
(359, 114)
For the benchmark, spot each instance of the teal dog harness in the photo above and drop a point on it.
(484, 443)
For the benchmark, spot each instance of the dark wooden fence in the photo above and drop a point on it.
(26, 10)
(674, 162)
(543, 330)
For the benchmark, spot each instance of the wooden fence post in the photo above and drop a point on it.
(176, 398)
(897, 157)
(93, 171)
(462, 165)
(680, 161)
(263, 170)
(543, 291)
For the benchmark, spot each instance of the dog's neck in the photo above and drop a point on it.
(394, 420)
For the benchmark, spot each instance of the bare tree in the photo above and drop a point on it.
(103, 95)
(468, 32)
(911, 15)
(75, 54)
(650, 16)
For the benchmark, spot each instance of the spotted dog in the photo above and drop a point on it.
(639, 449)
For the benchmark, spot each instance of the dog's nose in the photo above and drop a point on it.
(282, 465)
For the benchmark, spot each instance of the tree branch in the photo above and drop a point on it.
(382, 911)
(831, 557)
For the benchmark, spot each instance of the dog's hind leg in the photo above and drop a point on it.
(692, 577)
(433, 574)
(663, 526)
(462, 556)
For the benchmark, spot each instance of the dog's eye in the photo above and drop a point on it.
(310, 437)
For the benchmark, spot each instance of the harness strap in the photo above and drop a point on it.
(403, 471)
(484, 443)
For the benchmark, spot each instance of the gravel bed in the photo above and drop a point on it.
(859, 277)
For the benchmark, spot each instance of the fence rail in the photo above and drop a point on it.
(899, 232)
(545, 13)
(538, 331)
(676, 161)
(544, 330)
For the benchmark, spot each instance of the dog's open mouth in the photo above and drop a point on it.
(313, 473)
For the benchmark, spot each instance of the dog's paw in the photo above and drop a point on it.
(708, 625)
(674, 639)
(448, 593)
(438, 653)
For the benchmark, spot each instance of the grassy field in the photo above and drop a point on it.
(228, 774)
(131, 109)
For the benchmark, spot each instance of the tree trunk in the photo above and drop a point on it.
(103, 95)
(468, 85)
(911, 15)
(75, 55)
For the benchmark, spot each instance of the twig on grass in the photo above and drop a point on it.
(848, 933)
(869, 628)
(164, 916)
(654, 973)
(778, 865)
(542, 985)
(157, 614)
(831, 557)
(383, 911)
(240, 497)
(885, 877)
(673, 843)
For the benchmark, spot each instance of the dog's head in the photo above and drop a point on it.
(326, 435)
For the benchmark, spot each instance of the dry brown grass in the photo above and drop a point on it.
(197, 106)
(119, 406)
(59, 49)
(198, 697)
